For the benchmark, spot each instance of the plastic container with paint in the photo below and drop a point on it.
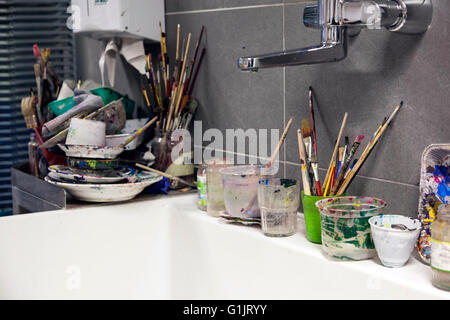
(345, 226)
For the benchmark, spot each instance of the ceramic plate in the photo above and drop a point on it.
(91, 151)
(93, 164)
(107, 192)
(91, 176)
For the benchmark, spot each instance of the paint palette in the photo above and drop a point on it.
(67, 174)
(239, 220)
(433, 155)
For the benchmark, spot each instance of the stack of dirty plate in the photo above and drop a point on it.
(93, 172)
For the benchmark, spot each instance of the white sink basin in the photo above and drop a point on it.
(165, 248)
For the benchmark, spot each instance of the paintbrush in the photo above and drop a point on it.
(194, 59)
(187, 96)
(272, 158)
(137, 133)
(166, 175)
(346, 150)
(163, 57)
(37, 73)
(346, 164)
(332, 177)
(193, 104)
(177, 57)
(183, 75)
(308, 142)
(338, 141)
(313, 123)
(144, 93)
(367, 151)
(280, 143)
(307, 138)
(304, 170)
(340, 159)
(328, 181)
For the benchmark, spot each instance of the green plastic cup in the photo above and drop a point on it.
(312, 217)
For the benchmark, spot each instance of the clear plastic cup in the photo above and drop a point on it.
(279, 200)
(240, 184)
(214, 189)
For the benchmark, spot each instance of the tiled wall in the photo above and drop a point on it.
(382, 68)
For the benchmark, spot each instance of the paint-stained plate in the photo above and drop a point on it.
(113, 192)
(91, 152)
(65, 173)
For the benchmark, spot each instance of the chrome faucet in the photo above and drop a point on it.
(334, 17)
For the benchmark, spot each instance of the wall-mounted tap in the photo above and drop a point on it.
(333, 17)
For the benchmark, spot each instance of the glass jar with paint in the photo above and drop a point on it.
(162, 147)
(240, 185)
(214, 190)
(202, 187)
(278, 201)
(440, 248)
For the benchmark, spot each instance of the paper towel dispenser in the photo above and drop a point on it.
(106, 19)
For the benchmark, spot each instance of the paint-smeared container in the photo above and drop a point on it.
(240, 185)
(394, 237)
(84, 132)
(345, 226)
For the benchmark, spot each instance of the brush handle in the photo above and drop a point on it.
(318, 187)
(139, 132)
(280, 143)
(367, 151)
(313, 125)
(192, 84)
(304, 170)
(315, 168)
(345, 167)
(166, 175)
(333, 157)
(195, 55)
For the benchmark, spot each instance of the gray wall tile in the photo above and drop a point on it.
(228, 97)
(401, 199)
(188, 5)
(191, 5)
(381, 69)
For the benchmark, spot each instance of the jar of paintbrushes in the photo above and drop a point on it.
(177, 164)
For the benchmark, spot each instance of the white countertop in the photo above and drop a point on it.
(163, 247)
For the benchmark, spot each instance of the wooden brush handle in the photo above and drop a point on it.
(137, 133)
(304, 171)
(333, 157)
(280, 143)
(166, 175)
(366, 152)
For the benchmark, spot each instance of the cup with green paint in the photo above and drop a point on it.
(312, 217)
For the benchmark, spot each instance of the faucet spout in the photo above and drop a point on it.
(333, 48)
(333, 17)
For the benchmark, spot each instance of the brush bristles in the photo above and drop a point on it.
(359, 138)
(306, 128)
